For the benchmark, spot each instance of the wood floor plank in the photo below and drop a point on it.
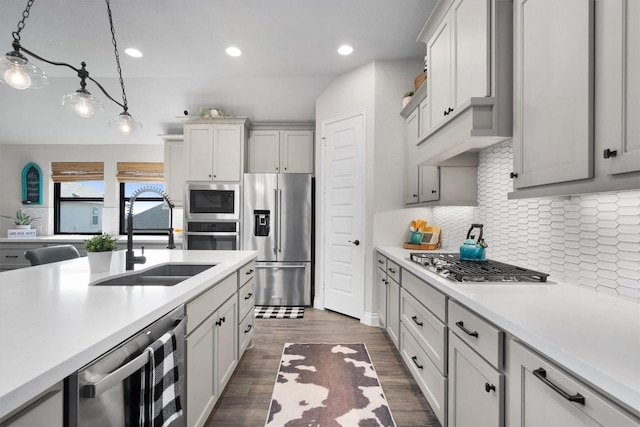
(246, 399)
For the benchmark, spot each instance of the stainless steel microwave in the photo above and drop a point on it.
(212, 201)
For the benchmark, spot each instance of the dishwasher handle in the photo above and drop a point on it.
(93, 390)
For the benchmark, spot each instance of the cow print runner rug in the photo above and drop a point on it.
(328, 385)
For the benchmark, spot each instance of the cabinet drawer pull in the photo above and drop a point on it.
(380, 261)
(541, 374)
(460, 324)
(246, 331)
(415, 320)
(249, 272)
(11, 256)
(248, 296)
(392, 271)
(221, 321)
(415, 362)
(489, 387)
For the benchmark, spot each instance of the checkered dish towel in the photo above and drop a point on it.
(160, 393)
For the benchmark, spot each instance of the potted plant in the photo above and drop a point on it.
(407, 98)
(99, 251)
(22, 220)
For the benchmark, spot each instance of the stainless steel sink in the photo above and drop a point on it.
(162, 275)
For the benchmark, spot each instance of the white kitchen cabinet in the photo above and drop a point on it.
(211, 346)
(476, 389)
(553, 81)
(280, 151)
(393, 312)
(429, 183)
(389, 275)
(226, 342)
(214, 152)
(201, 382)
(618, 84)
(412, 124)
(542, 394)
(381, 288)
(174, 168)
(44, 410)
(469, 78)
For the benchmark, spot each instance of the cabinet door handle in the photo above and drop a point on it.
(248, 296)
(221, 321)
(434, 191)
(541, 374)
(415, 320)
(460, 324)
(246, 331)
(415, 362)
(415, 195)
(380, 261)
(513, 175)
(610, 153)
(391, 270)
(489, 387)
(11, 256)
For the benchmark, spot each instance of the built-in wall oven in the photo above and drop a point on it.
(212, 235)
(210, 202)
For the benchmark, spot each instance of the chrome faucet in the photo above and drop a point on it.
(132, 259)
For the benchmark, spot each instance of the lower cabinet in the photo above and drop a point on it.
(212, 347)
(476, 389)
(393, 311)
(246, 304)
(381, 287)
(44, 410)
(541, 394)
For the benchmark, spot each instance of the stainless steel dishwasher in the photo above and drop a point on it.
(106, 392)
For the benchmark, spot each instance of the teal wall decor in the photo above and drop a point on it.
(31, 185)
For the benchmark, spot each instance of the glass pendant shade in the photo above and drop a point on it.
(19, 73)
(83, 103)
(124, 123)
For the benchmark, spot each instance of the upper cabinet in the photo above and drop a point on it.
(576, 127)
(283, 150)
(214, 150)
(174, 168)
(553, 120)
(469, 79)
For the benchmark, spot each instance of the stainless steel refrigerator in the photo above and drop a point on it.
(277, 222)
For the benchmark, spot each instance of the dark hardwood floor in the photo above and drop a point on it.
(246, 399)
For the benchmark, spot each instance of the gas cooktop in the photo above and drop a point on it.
(450, 265)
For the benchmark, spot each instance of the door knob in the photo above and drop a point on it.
(355, 242)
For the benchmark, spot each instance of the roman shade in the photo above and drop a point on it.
(77, 171)
(140, 171)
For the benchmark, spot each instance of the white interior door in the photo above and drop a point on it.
(343, 248)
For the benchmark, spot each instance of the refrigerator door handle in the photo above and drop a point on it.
(277, 226)
(279, 221)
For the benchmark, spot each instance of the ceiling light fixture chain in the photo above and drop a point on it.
(21, 24)
(117, 55)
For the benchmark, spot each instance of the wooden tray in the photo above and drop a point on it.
(421, 247)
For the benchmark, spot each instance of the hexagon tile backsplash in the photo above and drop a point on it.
(590, 240)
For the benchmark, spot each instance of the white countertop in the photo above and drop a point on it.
(593, 335)
(52, 322)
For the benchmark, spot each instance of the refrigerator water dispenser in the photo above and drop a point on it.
(261, 219)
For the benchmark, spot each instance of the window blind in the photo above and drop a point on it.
(77, 171)
(140, 171)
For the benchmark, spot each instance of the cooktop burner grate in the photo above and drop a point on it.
(450, 265)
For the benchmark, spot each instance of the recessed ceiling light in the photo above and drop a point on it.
(345, 50)
(233, 51)
(132, 51)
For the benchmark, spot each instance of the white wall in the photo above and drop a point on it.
(375, 89)
(14, 157)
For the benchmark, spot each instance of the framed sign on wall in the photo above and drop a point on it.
(32, 184)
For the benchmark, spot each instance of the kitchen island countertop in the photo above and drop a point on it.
(53, 321)
(593, 335)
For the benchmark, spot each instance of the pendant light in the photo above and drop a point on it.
(17, 72)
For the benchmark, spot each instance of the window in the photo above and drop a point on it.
(149, 210)
(78, 197)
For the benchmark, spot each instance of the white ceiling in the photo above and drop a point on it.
(289, 58)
